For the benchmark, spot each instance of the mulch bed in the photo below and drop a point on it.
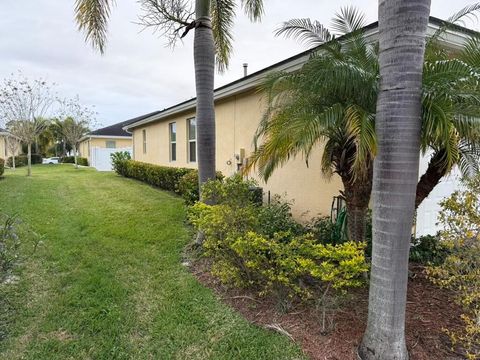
(429, 310)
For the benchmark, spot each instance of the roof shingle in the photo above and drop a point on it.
(117, 129)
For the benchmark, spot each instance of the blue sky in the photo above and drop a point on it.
(138, 73)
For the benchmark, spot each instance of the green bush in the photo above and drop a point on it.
(119, 160)
(2, 166)
(428, 249)
(71, 160)
(22, 160)
(164, 177)
(286, 265)
(277, 217)
(262, 247)
(188, 186)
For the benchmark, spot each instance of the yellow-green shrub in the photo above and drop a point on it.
(299, 266)
(289, 264)
(460, 271)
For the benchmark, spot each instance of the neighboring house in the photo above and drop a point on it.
(112, 137)
(5, 137)
(97, 145)
(169, 136)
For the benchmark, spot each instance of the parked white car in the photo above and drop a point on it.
(52, 160)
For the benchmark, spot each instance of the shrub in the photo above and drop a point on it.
(188, 186)
(234, 191)
(288, 266)
(164, 177)
(22, 160)
(119, 160)
(326, 231)
(263, 247)
(277, 217)
(428, 249)
(71, 160)
(2, 166)
(460, 272)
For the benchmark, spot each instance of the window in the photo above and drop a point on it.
(173, 141)
(111, 144)
(192, 139)
(144, 135)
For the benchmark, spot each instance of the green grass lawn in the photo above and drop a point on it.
(107, 282)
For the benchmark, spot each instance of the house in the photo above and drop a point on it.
(97, 145)
(169, 137)
(5, 150)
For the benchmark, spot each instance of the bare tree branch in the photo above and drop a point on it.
(166, 17)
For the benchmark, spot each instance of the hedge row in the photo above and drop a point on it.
(181, 181)
(164, 177)
(2, 166)
(22, 160)
(71, 160)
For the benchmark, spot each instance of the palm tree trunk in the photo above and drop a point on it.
(204, 58)
(29, 159)
(357, 197)
(402, 31)
(430, 179)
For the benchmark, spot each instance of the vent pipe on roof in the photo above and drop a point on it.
(245, 69)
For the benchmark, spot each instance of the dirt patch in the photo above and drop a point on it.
(429, 310)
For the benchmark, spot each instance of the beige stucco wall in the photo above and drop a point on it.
(237, 119)
(101, 143)
(5, 152)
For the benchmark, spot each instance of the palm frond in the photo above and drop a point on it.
(471, 52)
(305, 31)
(223, 14)
(92, 18)
(253, 9)
(360, 126)
(458, 18)
(348, 20)
(469, 163)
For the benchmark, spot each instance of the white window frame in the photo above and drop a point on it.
(189, 141)
(171, 126)
(144, 138)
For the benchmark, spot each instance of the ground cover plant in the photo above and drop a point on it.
(108, 281)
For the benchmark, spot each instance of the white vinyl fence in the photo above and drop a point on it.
(100, 158)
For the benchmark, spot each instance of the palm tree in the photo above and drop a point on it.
(212, 22)
(402, 36)
(332, 100)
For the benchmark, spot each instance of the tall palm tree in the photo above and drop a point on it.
(332, 100)
(402, 36)
(212, 23)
